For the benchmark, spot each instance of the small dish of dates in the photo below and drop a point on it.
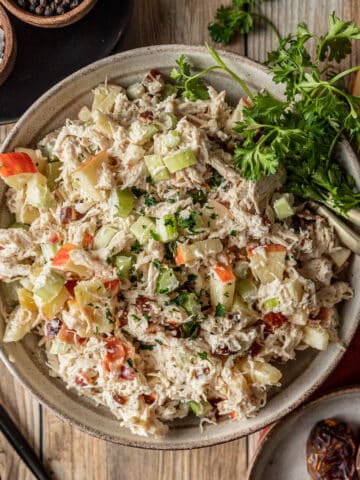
(319, 441)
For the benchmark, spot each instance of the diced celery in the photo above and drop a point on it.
(104, 236)
(192, 304)
(121, 202)
(50, 288)
(74, 183)
(199, 409)
(53, 171)
(123, 265)
(166, 227)
(270, 304)
(247, 290)
(49, 250)
(140, 133)
(141, 229)
(180, 160)
(136, 90)
(59, 348)
(168, 119)
(241, 269)
(84, 114)
(283, 208)
(168, 90)
(156, 167)
(171, 139)
(37, 192)
(24, 226)
(167, 281)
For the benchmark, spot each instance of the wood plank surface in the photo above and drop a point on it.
(67, 453)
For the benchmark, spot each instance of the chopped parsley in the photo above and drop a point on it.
(136, 247)
(220, 310)
(130, 362)
(150, 200)
(154, 235)
(109, 315)
(199, 196)
(145, 346)
(156, 263)
(203, 356)
(188, 222)
(190, 329)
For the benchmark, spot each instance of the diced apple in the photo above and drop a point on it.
(37, 192)
(19, 324)
(222, 286)
(51, 309)
(16, 169)
(316, 337)
(26, 300)
(105, 96)
(47, 287)
(202, 249)
(104, 123)
(36, 156)
(88, 173)
(267, 263)
(260, 373)
(62, 261)
(340, 255)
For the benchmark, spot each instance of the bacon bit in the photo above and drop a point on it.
(117, 352)
(147, 115)
(70, 285)
(154, 328)
(126, 372)
(112, 286)
(324, 314)
(121, 399)
(112, 162)
(54, 238)
(274, 320)
(1, 248)
(143, 303)
(255, 349)
(87, 241)
(69, 336)
(83, 379)
(149, 399)
(232, 415)
(153, 74)
(69, 214)
(52, 327)
(222, 350)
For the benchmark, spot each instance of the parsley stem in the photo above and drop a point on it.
(200, 74)
(343, 74)
(269, 22)
(222, 65)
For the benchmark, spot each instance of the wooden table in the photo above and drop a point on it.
(69, 454)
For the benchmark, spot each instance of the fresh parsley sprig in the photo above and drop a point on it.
(239, 18)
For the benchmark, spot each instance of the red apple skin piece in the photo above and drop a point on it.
(355, 88)
(16, 163)
(63, 255)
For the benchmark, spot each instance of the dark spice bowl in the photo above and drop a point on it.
(51, 21)
(8, 55)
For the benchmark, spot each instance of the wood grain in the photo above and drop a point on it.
(68, 453)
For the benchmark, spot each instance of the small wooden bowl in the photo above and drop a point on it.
(55, 21)
(9, 54)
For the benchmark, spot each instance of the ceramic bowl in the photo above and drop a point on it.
(54, 21)
(281, 455)
(301, 377)
(9, 54)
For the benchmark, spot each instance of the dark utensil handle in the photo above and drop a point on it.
(16, 439)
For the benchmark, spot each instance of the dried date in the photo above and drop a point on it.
(331, 451)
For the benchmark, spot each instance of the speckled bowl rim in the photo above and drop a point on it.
(10, 50)
(269, 435)
(166, 445)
